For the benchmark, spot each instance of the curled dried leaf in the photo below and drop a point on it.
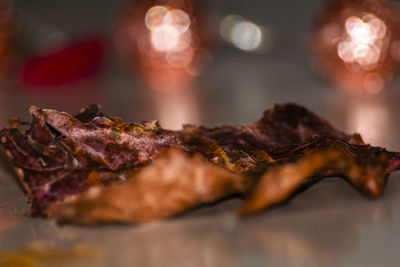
(93, 168)
(173, 183)
(365, 167)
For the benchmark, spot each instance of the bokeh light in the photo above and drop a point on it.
(169, 29)
(355, 44)
(363, 42)
(155, 17)
(166, 41)
(244, 34)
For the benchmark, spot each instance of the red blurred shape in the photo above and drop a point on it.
(69, 64)
(6, 35)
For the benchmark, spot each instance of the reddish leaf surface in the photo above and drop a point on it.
(93, 168)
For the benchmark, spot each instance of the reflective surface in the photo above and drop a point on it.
(330, 224)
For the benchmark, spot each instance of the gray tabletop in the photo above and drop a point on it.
(330, 224)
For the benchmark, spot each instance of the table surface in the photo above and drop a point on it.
(330, 224)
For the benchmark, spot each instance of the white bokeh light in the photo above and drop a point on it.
(363, 42)
(246, 35)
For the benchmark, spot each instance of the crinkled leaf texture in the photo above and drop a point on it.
(92, 168)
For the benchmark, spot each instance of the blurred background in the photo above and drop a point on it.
(237, 60)
(213, 62)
